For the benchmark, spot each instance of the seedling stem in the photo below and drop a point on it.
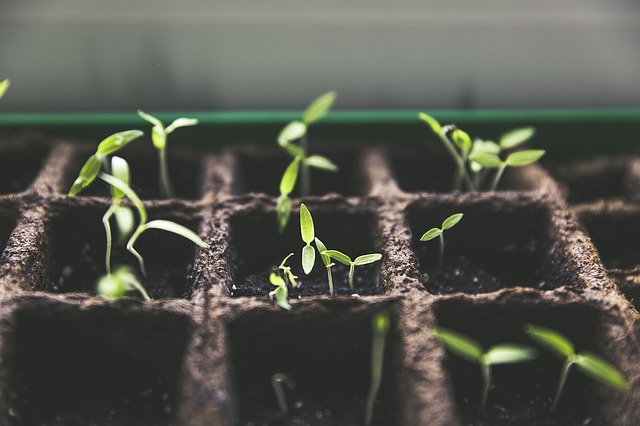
(277, 382)
(448, 223)
(380, 327)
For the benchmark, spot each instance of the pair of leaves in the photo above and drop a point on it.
(159, 132)
(448, 223)
(316, 111)
(471, 350)
(516, 159)
(307, 232)
(590, 364)
(4, 85)
(364, 259)
(108, 146)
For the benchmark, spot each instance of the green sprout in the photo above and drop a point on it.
(469, 349)
(432, 233)
(365, 259)
(308, 235)
(4, 85)
(327, 263)
(281, 293)
(590, 364)
(115, 285)
(298, 130)
(474, 159)
(145, 225)
(286, 271)
(380, 326)
(277, 382)
(159, 136)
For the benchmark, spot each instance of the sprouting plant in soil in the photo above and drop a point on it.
(327, 263)
(287, 274)
(281, 293)
(362, 260)
(432, 233)
(4, 85)
(278, 382)
(379, 326)
(115, 285)
(473, 159)
(590, 364)
(308, 235)
(292, 132)
(470, 350)
(159, 136)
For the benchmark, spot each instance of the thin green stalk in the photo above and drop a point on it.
(441, 249)
(457, 182)
(497, 177)
(458, 160)
(107, 230)
(166, 189)
(305, 174)
(351, 270)
(377, 360)
(486, 377)
(563, 379)
(133, 251)
(330, 278)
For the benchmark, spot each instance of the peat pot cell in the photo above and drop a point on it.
(19, 165)
(257, 247)
(186, 172)
(78, 245)
(101, 367)
(261, 170)
(495, 245)
(592, 180)
(523, 393)
(428, 168)
(326, 352)
(615, 235)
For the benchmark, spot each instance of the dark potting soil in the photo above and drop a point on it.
(20, 163)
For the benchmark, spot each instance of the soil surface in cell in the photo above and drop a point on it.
(19, 165)
(365, 282)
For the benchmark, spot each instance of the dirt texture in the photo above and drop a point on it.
(204, 350)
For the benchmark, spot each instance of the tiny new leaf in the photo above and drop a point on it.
(320, 162)
(118, 141)
(551, 340)
(599, 369)
(319, 107)
(365, 259)
(181, 122)
(290, 177)
(432, 122)
(308, 259)
(306, 225)
(509, 353)
(283, 210)
(4, 85)
(339, 256)
(524, 158)
(460, 344)
(462, 140)
(516, 137)
(175, 228)
(322, 248)
(490, 161)
(431, 234)
(87, 175)
(451, 221)
(291, 132)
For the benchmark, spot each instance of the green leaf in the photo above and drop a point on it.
(432, 122)
(339, 256)
(320, 162)
(4, 85)
(490, 161)
(516, 137)
(452, 221)
(459, 344)
(112, 286)
(601, 370)
(380, 322)
(282, 294)
(524, 158)
(175, 228)
(484, 147)
(181, 122)
(306, 225)
(462, 140)
(321, 248)
(125, 221)
(319, 107)
(365, 259)
(308, 259)
(291, 132)
(276, 279)
(289, 177)
(283, 210)
(551, 340)
(118, 141)
(150, 118)
(131, 195)
(87, 175)
(119, 169)
(159, 137)
(509, 353)
(431, 234)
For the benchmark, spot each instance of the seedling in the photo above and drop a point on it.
(590, 364)
(115, 285)
(469, 349)
(298, 130)
(365, 259)
(281, 293)
(327, 263)
(432, 233)
(4, 85)
(144, 225)
(286, 271)
(380, 326)
(473, 159)
(308, 235)
(159, 136)
(278, 381)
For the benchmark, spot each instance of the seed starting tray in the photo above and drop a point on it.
(204, 350)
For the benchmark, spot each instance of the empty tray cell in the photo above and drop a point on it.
(78, 246)
(260, 170)
(595, 179)
(429, 168)
(497, 244)
(104, 366)
(326, 352)
(523, 393)
(186, 171)
(21, 158)
(256, 248)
